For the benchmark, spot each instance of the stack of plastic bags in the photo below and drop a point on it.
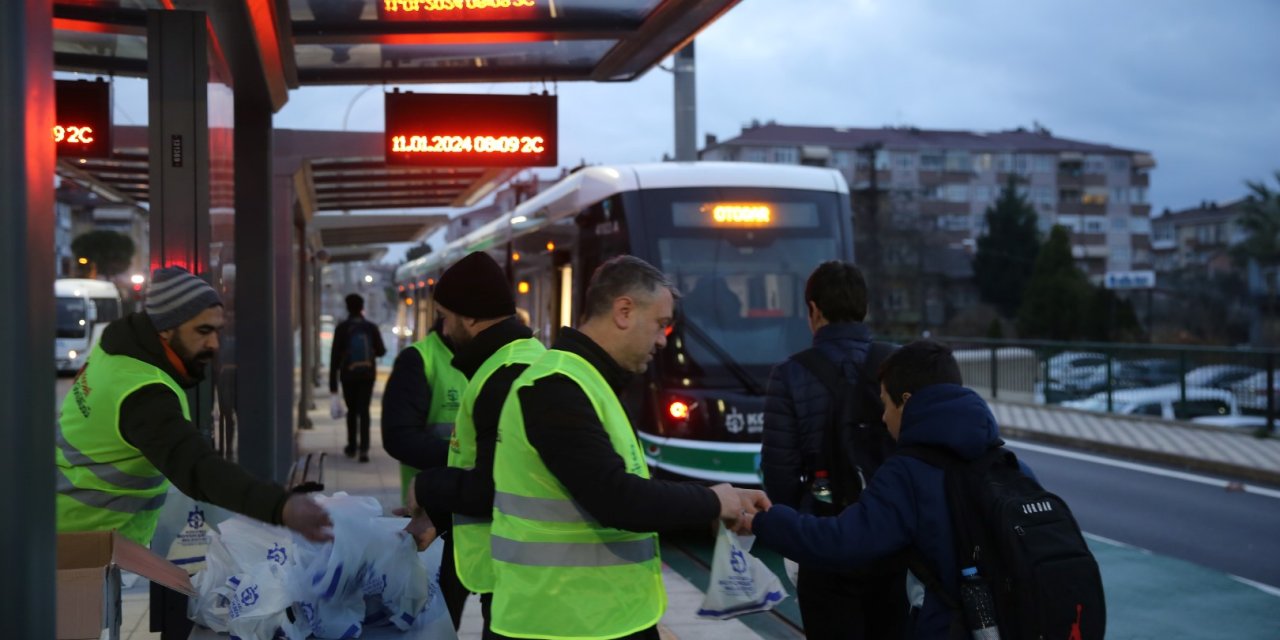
(262, 581)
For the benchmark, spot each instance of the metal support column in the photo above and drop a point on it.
(26, 328)
(258, 297)
(686, 99)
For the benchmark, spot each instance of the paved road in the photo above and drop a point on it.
(60, 390)
(1231, 531)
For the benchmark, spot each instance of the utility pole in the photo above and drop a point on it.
(686, 105)
(869, 254)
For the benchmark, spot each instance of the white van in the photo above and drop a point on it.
(84, 307)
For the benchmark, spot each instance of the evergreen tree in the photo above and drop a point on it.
(1007, 251)
(109, 252)
(1058, 296)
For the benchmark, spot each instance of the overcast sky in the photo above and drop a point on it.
(1194, 82)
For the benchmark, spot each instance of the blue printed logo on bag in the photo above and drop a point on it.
(278, 554)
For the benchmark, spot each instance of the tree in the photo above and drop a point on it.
(1260, 218)
(417, 251)
(1007, 251)
(1058, 296)
(109, 252)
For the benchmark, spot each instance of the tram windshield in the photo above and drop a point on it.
(742, 284)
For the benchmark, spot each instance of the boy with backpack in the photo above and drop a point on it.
(353, 359)
(823, 440)
(956, 502)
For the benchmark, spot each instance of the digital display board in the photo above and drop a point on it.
(82, 128)
(456, 130)
(416, 10)
(745, 214)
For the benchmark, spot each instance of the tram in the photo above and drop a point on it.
(738, 239)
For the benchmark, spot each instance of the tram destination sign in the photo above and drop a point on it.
(462, 10)
(82, 127)
(460, 130)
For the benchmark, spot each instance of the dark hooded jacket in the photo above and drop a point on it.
(903, 507)
(151, 420)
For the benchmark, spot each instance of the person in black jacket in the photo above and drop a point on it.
(870, 604)
(479, 318)
(358, 374)
(628, 306)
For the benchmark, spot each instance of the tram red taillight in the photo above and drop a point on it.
(678, 410)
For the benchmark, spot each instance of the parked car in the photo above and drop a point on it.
(1251, 392)
(1234, 422)
(1077, 372)
(1219, 376)
(1149, 372)
(1162, 402)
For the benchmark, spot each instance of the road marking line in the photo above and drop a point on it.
(1260, 586)
(1133, 466)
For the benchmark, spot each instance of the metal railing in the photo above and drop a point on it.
(1235, 387)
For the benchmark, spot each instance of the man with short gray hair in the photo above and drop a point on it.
(574, 542)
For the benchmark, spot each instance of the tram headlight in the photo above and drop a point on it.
(71, 355)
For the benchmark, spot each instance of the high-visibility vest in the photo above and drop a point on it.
(557, 572)
(104, 482)
(471, 554)
(446, 385)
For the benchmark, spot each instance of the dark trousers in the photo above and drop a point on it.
(358, 394)
(862, 607)
(451, 588)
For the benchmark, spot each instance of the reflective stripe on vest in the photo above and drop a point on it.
(446, 384)
(471, 556)
(103, 482)
(557, 572)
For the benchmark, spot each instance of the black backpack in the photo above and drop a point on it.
(1025, 544)
(361, 362)
(855, 439)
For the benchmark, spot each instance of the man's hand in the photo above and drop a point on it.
(737, 505)
(303, 515)
(422, 530)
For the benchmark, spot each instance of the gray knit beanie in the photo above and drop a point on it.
(176, 296)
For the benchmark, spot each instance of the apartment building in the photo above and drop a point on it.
(940, 183)
(1199, 236)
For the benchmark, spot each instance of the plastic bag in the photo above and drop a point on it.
(258, 604)
(211, 606)
(336, 410)
(250, 542)
(740, 583)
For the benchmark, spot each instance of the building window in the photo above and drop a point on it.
(882, 160)
(1119, 223)
(1069, 196)
(931, 192)
(1045, 164)
(957, 222)
(1138, 195)
(1071, 222)
(1042, 195)
(1120, 195)
(843, 159)
(1095, 224)
(1095, 165)
(1095, 196)
(1141, 224)
(931, 161)
(785, 155)
(1022, 164)
(982, 193)
(957, 193)
(903, 160)
(982, 162)
(1004, 163)
(1119, 164)
(958, 161)
(754, 154)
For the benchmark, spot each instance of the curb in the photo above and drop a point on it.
(1252, 474)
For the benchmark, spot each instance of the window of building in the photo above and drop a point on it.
(754, 154)
(931, 161)
(1095, 224)
(982, 162)
(1071, 222)
(1119, 223)
(1138, 195)
(1140, 224)
(1119, 164)
(904, 160)
(785, 155)
(1120, 195)
(1069, 196)
(882, 160)
(1004, 163)
(1095, 164)
(982, 193)
(1119, 253)
(956, 222)
(1094, 196)
(931, 192)
(843, 159)
(1042, 195)
(958, 161)
(1022, 164)
(1044, 164)
(957, 193)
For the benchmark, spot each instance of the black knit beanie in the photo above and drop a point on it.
(476, 287)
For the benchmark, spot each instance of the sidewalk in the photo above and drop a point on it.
(1221, 450)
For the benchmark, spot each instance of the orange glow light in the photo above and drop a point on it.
(431, 282)
(83, 261)
(408, 302)
(523, 287)
(72, 134)
(421, 284)
(551, 246)
(678, 410)
(744, 213)
(515, 256)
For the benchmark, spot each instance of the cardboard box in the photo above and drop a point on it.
(88, 581)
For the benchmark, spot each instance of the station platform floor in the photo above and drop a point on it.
(1233, 453)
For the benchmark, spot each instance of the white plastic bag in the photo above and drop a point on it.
(250, 542)
(740, 583)
(336, 410)
(258, 604)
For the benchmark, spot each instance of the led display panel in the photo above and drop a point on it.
(462, 10)
(457, 130)
(82, 128)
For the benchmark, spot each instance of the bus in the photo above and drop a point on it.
(83, 309)
(739, 241)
